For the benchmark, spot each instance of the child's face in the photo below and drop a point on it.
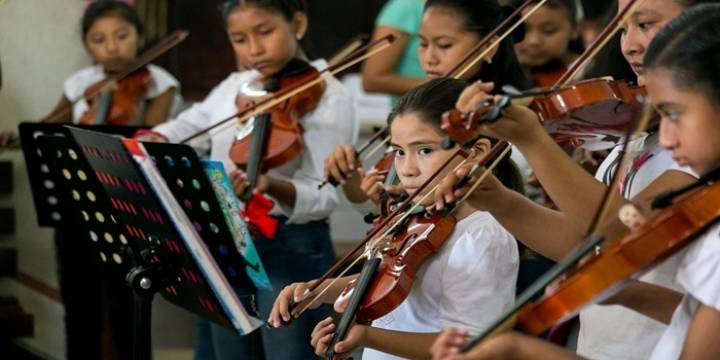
(263, 40)
(689, 125)
(112, 42)
(547, 34)
(443, 42)
(642, 26)
(418, 151)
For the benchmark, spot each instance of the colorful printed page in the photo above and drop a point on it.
(231, 208)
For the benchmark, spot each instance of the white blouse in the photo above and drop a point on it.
(77, 83)
(467, 284)
(330, 124)
(699, 275)
(615, 332)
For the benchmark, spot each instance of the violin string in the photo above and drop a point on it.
(482, 177)
(487, 38)
(375, 148)
(597, 45)
(224, 125)
(498, 40)
(157, 50)
(376, 240)
(454, 70)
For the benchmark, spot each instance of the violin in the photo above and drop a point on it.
(475, 55)
(591, 113)
(284, 132)
(118, 106)
(395, 257)
(388, 276)
(685, 214)
(587, 113)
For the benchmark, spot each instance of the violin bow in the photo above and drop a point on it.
(591, 242)
(505, 150)
(151, 54)
(284, 94)
(469, 60)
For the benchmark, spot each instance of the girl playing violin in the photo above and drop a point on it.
(605, 332)
(266, 36)
(112, 34)
(680, 73)
(444, 41)
(440, 295)
(551, 42)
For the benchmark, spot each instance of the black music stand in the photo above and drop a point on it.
(141, 235)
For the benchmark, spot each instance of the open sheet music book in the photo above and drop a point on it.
(234, 309)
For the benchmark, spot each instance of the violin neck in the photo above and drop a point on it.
(367, 273)
(535, 290)
(103, 107)
(258, 144)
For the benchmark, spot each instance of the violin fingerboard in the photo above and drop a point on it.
(366, 276)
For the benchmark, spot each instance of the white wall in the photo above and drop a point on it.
(40, 46)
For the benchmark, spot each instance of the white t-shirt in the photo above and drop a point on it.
(615, 332)
(699, 275)
(332, 123)
(467, 284)
(77, 83)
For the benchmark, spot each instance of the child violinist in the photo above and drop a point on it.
(97, 307)
(441, 294)
(605, 332)
(680, 73)
(551, 42)
(444, 41)
(112, 34)
(266, 36)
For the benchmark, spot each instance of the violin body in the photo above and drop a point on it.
(284, 137)
(402, 253)
(589, 112)
(592, 114)
(627, 258)
(123, 108)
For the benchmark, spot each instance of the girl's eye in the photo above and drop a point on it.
(549, 32)
(445, 46)
(237, 40)
(645, 25)
(398, 152)
(423, 44)
(266, 31)
(425, 151)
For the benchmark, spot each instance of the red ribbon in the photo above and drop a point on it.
(257, 215)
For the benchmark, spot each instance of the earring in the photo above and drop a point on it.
(298, 36)
(488, 61)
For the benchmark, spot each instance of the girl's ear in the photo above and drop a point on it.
(299, 24)
(483, 146)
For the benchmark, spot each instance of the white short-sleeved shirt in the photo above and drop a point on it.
(76, 84)
(467, 284)
(699, 275)
(332, 123)
(615, 332)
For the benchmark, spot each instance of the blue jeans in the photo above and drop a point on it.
(299, 252)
